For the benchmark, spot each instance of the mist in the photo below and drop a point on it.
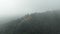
(16, 8)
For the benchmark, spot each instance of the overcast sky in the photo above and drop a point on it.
(10, 8)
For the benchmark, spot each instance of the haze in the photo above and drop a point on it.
(17, 8)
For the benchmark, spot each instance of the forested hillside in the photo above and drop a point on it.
(37, 23)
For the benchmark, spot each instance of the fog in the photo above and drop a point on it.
(16, 8)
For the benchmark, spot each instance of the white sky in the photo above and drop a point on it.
(12, 7)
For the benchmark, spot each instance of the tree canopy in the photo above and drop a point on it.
(37, 23)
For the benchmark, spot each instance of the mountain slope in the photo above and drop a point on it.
(36, 23)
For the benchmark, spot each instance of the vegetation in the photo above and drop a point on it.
(37, 23)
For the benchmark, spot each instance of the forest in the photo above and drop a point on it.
(36, 23)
